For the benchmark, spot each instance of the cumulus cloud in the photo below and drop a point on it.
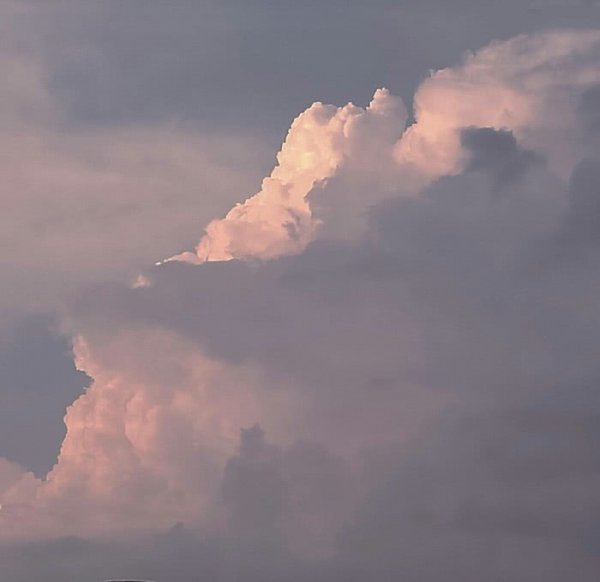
(278, 220)
(10, 473)
(132, 440)
(507, 87)
(401, 386)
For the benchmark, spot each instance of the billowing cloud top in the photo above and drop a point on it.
(278, 220)
(507, 86)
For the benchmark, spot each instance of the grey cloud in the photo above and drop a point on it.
(253, 491)
(272, 495)
(579, 233)
(209, 64)
(37, 382)
(176, 555)
(589, 112)
(214, 64)
(294, 496)
(451, 270)
(508, 469)
(497, 153)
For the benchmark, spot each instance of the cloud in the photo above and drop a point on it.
(578, 234)
(507, 87)
(278, 220)
(37, 382)
(131, 441)
(497, 153)
(10, 473)
(77, 204)
(589, 113)
(415, 396)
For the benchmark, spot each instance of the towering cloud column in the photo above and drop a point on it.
(278, 219)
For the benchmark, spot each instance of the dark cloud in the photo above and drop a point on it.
(214, 65)
(239, 64)
(582, 223)
(497, 153)
(577, 237)
(37, 382)
(502, 483)
(589, 113)
(176, 555)
(253, 490)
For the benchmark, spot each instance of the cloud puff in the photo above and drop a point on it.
(278, 220)
(161, 438)
(511, 86)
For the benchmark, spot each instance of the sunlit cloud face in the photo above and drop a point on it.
(382, 364)
(278, 220)
(510, 86)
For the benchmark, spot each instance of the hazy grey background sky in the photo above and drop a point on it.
(466, 325)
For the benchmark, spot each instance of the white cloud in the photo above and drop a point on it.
(278, 220)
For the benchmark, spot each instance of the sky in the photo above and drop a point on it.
(300, 290)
